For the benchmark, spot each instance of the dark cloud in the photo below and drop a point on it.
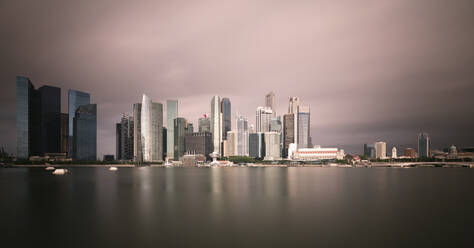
(370, 70)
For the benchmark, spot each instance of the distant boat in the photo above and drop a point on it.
(60, 171)
(113, 168)
(49, 168)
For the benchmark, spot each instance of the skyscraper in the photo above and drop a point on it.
(204, 124)
(257, 145)
(226, 116)
(263, 117)
(199, 143)
(369, 150)
(242, 136)
(293, 109)
(38, 119)
(380, 150)
(171, 114)
(216, 124)
(85, 133)
(288, 132)
(137, 132)
(64, 133)
(394, 152)
(180, 130)
(75, 99)
(303, 127)
(272, 146)
(230, 144)
(424, 145)
(270, 102)
(151, 130)
(125, 131)
(118, 141)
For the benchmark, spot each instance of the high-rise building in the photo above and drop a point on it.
(226, 116)
(85, 133)
(64, 133)
(369, 150)
(216, 124)
(410, 152)
(204, 124)
(151, 130)
(242, 136)
(303, 127)
(38, 119)
(288, 132)
(189, 127)
(75, 99)
(199, 143)
(137, 132)
(230, 144)
(171, 114)
(275, 124)
(424, 144)
(257, 145)
(380, 150)
(293, 109)
(180, 131)
(394, 152)
(263, 117)
(272, 146)
(270, 102)
(165, 142)
(118, 140)
(125, 131)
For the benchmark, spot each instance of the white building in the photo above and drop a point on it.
(230, 144)
(380, 150)
(216, 124)
(263, 118)
(316, 153)
(272, 146)
(394, 152)
(151, 122)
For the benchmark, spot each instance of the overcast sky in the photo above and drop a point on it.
(369, 70)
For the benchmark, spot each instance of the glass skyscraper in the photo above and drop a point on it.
(171, 114)
(85, 133)
(226, 116)
(424, 145)
(24, 122)
(75, 99)
(180, 130)
(303, 127)
(151, 130)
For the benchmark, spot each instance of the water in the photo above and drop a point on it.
(238, 207)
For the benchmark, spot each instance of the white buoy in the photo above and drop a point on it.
(113, 168)
(49, 168)
(60, 171)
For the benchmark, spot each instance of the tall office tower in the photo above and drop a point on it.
(288, 132)
(171, 114)
(190, 127)
(137, 132)
(275, 124)
(230, 144)
(226, 116)
(199, 143)
(118, 141)
(85, 133)
(216, 124)
(125, 130)
(424, 145)
(180, 126)
(369, 150)
(394, 152)
(293, 109)
(204, 124)
(257, 145)
(64, 132)
(263, 117)
(270, 102)
(151, 130)
(38, 119)
(75, 99)
(165, 143)
(380, 149)
(272, 146)
(242, 136)
(303, 126)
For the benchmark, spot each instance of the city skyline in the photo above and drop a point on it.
(364, 82)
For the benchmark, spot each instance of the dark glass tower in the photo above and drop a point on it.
(288, 132)
(75, 99)
(50, 124)
(85, 133)
(424, 143)
(180, 131)
(226, 117)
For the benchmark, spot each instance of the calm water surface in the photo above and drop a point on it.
(238, 207)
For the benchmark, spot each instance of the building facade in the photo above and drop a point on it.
(226, 117)
(380, 150)
(270, 102)
(242, 136)
(257, 145)
(199, 143)
(263, 118)
(369, 150)
(424, 144)
(151, 130)
(85, 133)
(317, 153)
(303, 127)
(125, 138)
(75, 99)
(64, 133)
(137, 132)
(230, 144)
(288, 132)
(180, 131)
(204, 124)
(272, 146)
(216, 124)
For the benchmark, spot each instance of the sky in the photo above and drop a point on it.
(369, 70)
